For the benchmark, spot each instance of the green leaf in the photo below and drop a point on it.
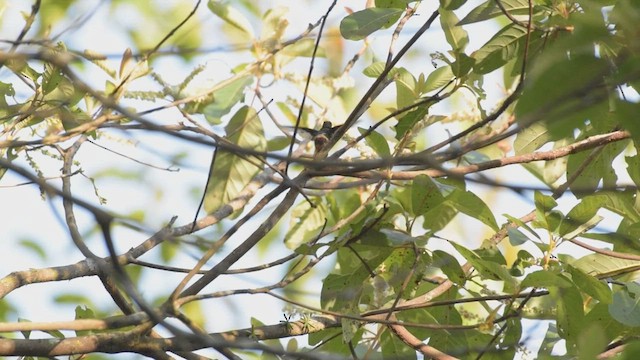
(624, 113)
(522, 262)
(278, 143)
(516, 237)
(561, 99)
(451, 4)
(35, 247)
(599, 168)
(545, 279)
(302, 48)
(532, 138)
(449, 265)
(399, 4)
(425, 195)
(394, 348)
(544, 205)
(521, 224)
(406, 92)
(570, 315)
(633, 168)
(305, 224)
(631, 351)
(625, 307)
(438, 78)
(231, 16)
(363, 23)
(488, 269)
(84, 312)
(512, 337)
(591, 343)
(580, 214)
(490, 9)
(340, 292)
(622, 203)
(599, 316)
(375, 70)
(463, 65)
(469, 203)
(551, 339)
(225, 98)
(502, 47)
(438, 217)
(377, 142)
(604, 266)
(407, 121)
(456, 36)
(231, 173)
(597, 289)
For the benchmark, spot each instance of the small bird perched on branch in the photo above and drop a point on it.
(320, 137)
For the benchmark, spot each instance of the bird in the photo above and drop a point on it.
(320, 137)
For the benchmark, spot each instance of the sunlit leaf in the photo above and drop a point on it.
(225, 98)
(502, 47)
(490, 9)
(456, 36)
(598, 168)
(438, 78)
(377, 142)
(604, 266)
(596, 288)
(470, 204)
(231, 15)
(363, 23)
(305, 223)
(231, 173)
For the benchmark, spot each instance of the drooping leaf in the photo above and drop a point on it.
(490, 9)
(502, 47)
(591, 342)
(596, 169)
(570, 315)
(407, 121)
(544, 206)
(596, 288)
(225, 98)
(231, 16)
(488, 269)
(546, 279)
(305, 223)
(469, 203)
(363, 23)
(625, 307)
(456, 36)
(394, 348)
(437, 79)
(231, 173)
(377, 142)
(531, 138)
(449, 266)
(425, 195)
